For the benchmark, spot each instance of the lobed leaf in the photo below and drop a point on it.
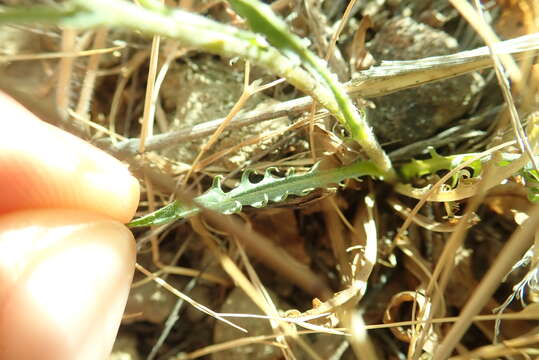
(269, 189)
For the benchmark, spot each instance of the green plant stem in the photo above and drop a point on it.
(54, 14)
(204, 34)
(273, 189)
(191, 30)
(262, 20)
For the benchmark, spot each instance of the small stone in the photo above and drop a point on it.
(125, 347)
(238, 302)
(150, 302)
(414, 114)
(207, 90)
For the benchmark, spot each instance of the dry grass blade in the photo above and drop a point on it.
(516, 347)
(392, 76)
(183, 271)
(421, 220)
(476, 19)
(231, 344)
(172, 319)
(125, 73)
(519, 242)
(514, 316)
(332, 213)
(91, 74)
(55, 55)
(94, 125)
(64, 71)
(377, 81)
(186, 298)
(149, 105)
(361, 269)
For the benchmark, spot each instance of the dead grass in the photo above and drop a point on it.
(364, 266)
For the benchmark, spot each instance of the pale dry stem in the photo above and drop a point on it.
(248, 91)
(63, 92)
(186, 298)
(149, 105)
(59, 54)
(125, 71)
(91, 74)
(519, 242)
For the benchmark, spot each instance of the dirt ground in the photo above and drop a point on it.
(324, 234)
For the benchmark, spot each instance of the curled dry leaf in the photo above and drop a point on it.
(401, 303)
(509, 200)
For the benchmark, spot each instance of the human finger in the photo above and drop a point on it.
(42, 166)
(64, 280)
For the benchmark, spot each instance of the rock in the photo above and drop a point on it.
(414, 114)
(238, 302)
(151, 302)
(207, 90)
(125, 347)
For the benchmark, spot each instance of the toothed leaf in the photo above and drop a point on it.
(437, 162)
(259, 194)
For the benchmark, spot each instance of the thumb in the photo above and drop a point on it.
(64, 280)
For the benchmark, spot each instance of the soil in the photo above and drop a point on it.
(201, 87)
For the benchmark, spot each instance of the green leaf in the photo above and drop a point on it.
(269, 189)
(437, 162)
(533, 194)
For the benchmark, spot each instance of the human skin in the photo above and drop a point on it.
(66, 259)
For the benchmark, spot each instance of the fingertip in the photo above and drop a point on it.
(44, 167)
(64, 280)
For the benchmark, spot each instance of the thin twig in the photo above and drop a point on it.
(63, 88)
(86, 92)
(55, 55)
(172, 319)
(179, 294)
(377, 81)
(519, 242)
(490, 38)
(149, 105)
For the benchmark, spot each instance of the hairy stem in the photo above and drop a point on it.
(204, 34)
(263, 20)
